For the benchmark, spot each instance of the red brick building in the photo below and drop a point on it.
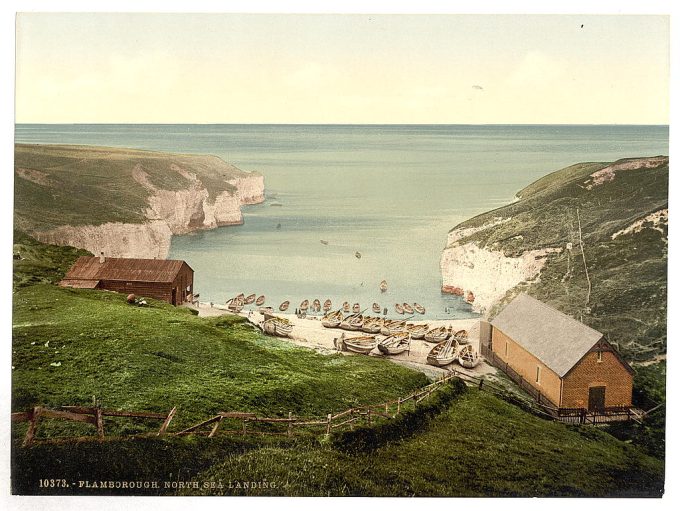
(164, 279)
(568, 363)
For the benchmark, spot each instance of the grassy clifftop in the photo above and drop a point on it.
(76, 185)
(623, 209)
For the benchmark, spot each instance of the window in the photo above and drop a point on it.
(599, 356)
(538, 374)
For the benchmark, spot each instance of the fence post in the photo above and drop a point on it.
(32, 427)
(386, 408)
(243, 431)
(100, 421)
(398, 406)
(213, 431)
(290, 423)
(166, 423)
(351, 417)
(328, 424)
(583, 416)
(369, 416)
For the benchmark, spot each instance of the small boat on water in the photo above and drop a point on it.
(407, 308)
(277, 326)
(324, 242)
(372, 325)
(345, 306)
(418, 331)
(332, 319)
(398, 308)
(443, 353)
(437, 335)
(353, 322)
(468, 357)
(327, 305)
(284, 306)
(362, 344)
(260, 300)
(304, 305)
(235, 306)
(461, 336)
(316, 305)
(249, 299)
(418, 308)
(376, 308)
(357, 255)
(383, 286)
(395, 344)
(356, 308)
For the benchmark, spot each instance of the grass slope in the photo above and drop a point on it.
(628, 274)
(481, 446)
(60, 184)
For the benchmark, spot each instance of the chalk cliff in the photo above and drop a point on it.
(156, 194)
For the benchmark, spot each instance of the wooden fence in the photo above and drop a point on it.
(224, 423)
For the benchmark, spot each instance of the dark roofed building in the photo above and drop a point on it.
(164, 279)
(568, 363)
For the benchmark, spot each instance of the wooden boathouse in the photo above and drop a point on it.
(164, 279)
(564, 363)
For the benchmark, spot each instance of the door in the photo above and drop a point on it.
(596, 398)
(174, 296)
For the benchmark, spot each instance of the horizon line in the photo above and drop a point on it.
(321, 124)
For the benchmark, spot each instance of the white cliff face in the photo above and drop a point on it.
(483, 276)
(149, 240)
(169, 212)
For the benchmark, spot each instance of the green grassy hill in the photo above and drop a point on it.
(69, 345)
(627, 270)
(76, 185)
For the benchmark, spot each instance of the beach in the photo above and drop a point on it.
(310, 333)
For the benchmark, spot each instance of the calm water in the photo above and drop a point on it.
(390, 193)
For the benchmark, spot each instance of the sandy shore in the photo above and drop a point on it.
(310, 333)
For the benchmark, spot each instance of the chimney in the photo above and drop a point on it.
(101, 257)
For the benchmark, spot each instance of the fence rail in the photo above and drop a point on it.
(248, 420)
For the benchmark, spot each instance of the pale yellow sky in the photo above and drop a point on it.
(221, 68)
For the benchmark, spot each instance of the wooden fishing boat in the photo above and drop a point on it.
(443, 353)
(324, 242)
(357, 255)
(437, 334)
(356, 308)
(393, 327)
(383, 286)
(240, 297)
(376, 308)
(362, 344)
(260, 300)
(345, 306)
(284, 306)
(353, 322)
(407, 308)
(265, 310)
(418, 331)
(372, 325)
(332, 320)
(249, 299)
(327, 305)
(468, 357)
(461, 336)
(304, 305)
(277, 326)
(235, 306)
(398, 308)
(418, 308)
(395, 344)
(316, 305)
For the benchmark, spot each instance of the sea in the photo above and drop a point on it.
(347, 206)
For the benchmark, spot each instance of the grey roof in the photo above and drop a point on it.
(556, 339)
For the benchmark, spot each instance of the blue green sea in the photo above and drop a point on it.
(387, 193)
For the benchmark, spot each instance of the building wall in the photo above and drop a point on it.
(525, 364)
(184, 280)
(160, 291)
(609, 373)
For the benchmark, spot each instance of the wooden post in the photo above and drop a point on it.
(369, 416)
(351, 416)
(100, 421)
(243, 431)
(290, 423)
(213, 431)
(328, 424)
(32, 427)
(583, 416)
(387, 408)
(166, 422)
(398, 406)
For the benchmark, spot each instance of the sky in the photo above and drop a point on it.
(295, 68)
